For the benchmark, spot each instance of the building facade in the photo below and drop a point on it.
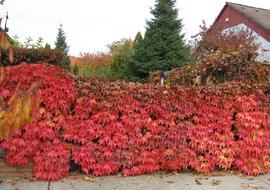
(236, 17)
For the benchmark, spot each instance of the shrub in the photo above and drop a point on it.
(222, 56)
(55, 85)
(226, 55)
(99, 72)
(121, 52)
(154, 77)
(93, 65)
(16, 56)
(75, 69)
(186, 75)
(194, 74)
(40, 139)
(136, 128)
(169, 128)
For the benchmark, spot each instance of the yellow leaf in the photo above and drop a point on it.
(17, 112)
(1, 74)
(2, 113)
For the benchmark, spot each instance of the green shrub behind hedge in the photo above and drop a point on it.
(15, 56)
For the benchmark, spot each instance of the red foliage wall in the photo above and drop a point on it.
(55, 85)
(136, 129)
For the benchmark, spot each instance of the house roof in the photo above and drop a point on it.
(258, 15)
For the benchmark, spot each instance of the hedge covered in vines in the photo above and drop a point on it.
(130, 128)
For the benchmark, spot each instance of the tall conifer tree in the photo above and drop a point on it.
(163, 46)
(61, 44)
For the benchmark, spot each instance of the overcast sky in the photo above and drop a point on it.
(92, 24)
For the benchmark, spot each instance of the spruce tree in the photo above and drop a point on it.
(138, 39)
(163, 46)
(61, 44)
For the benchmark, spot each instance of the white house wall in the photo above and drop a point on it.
(264, 49)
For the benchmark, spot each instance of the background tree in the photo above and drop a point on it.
(16, 41)
(39, 43)
(29, 43)
(61, 44)
(92, 65)
(138, 39)
(163, 46)
(47, 46)
(121, 52)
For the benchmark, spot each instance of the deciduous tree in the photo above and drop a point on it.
(121, 52)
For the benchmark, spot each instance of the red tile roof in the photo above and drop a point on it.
(258, 15)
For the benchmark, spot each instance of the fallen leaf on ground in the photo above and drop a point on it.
(75, 177)
(86, 178)
(175, 173)
(215, 182)
(31, 179)
(252, 186)
(198, 182)
(13, 182)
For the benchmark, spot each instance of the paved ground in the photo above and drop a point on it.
(181, 181)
